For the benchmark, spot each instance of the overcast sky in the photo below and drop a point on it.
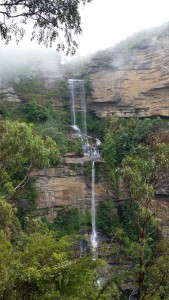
(106, 22)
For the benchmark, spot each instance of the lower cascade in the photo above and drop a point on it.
(93, 214)
(90, 145)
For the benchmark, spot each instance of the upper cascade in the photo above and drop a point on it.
(78, 105)
(90, 145)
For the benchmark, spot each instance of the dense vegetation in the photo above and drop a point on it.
(43, 260)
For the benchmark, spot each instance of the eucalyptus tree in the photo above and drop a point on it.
(21, 149)
(52, 21)
(147, 251)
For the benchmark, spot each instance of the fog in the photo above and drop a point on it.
(104, 23)
(14, 60)
(107, 22)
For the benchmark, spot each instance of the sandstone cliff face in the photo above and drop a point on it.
(134, 81)
(8, 93)
(65, 185)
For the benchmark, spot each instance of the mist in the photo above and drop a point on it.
(15, 61)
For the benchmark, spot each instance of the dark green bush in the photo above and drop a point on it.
(68, 221)
(107, 219)
(35, 112)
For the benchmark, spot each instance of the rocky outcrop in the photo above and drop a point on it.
(65, 185)
(133, 81)
(8, 93)
(160, 206)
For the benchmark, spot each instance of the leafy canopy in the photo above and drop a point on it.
(21, 149)
(51, 20)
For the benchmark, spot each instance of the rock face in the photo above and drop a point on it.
(8, 93)
(65, 185)
(161, 209)
(45, 63)
(133, 81)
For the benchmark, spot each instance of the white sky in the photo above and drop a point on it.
(107, 22)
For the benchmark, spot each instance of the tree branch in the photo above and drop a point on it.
(24, 179)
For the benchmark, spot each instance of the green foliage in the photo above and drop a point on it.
(145, 127)
(101, 58)
(68, 221)
(133, 261)
(88, 86)
(40, 267)
(8, 220)
(61, 92)
(28, 83)
(56, 132)
(123, 135)
(143, 36)
(56, 126)
(109, 150)
(107, 220)
(20, 150)
(35, 112)
(25, 200)
(30, 87)
(9, 110)
(39, 108)
(74, 145)
(78, 68)
(7, 266)
(127, 212)
(137, 175)
(95, 126)
(99, 174)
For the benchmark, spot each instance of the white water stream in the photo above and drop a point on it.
(78, 105)
(93, 214)
(90, 149)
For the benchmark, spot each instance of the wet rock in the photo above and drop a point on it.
(134, 81)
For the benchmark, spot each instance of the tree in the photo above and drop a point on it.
(21, 149)
(9, 223)
(40, 267)
(123, 135)
(7, 266)
(138, 175)
(51, 19)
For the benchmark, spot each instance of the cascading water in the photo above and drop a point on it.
(91, 150)
(93, 213)
(78, 105)
(78, 114)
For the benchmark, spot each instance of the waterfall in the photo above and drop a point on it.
(78, 116)
(93, 213)
(78, 105)
(73, 112)
(90, 145)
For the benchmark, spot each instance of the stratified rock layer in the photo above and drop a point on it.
(65, 185)
(133, 81)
